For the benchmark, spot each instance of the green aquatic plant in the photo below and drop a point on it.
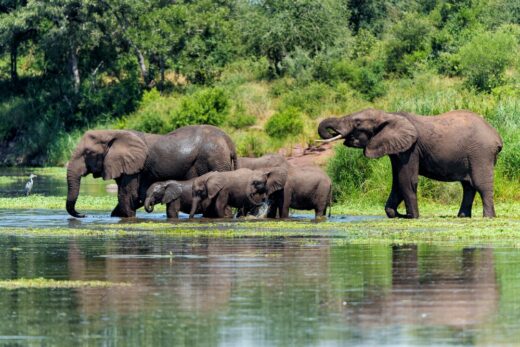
(45, 283)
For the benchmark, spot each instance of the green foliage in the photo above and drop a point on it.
(410, 44)
(205, 106)
(348, 169)
(484, 59)
(275, 29)
(241, 120)
(284, 123)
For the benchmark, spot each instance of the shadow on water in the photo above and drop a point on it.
(259, 292)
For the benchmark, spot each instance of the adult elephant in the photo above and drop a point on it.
(136, 160)
(454, 146)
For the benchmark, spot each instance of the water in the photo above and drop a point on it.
(251, 291)
(261, 292)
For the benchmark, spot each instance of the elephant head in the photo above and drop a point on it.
(103, 153)
(264, 183)
(162, 192)
(204, 189)
(377, 132)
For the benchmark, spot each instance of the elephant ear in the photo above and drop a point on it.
(396, 135)
(276, 178)
(172, 192)
(126, 155)
(215, 183)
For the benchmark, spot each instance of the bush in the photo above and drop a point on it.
(206, 106)
(241, 120)
(410, 44)
(151, 116)
(284, 123)
(484, 59)
(348, 169)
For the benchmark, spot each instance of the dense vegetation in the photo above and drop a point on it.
(264, 70)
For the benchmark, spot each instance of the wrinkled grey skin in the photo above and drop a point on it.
(306, 188)
(242, 188)
(175, 194)
(265, 161)
(136, 160)
(454, 146)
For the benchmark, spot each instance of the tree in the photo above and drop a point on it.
(275, 28)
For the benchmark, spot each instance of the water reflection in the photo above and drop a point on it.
(49, 183)
(253, 291)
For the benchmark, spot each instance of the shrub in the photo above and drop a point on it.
(410, 44)
(151, 116)
(241, 120)
(251, 144)
(206, 106)
(284, 123)
(483, 60)
(348, 169)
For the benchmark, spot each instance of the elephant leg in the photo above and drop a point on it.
(467, 199)
(221, 205)
(172, 209)
(127, 196)
(395, 198)
(277, 204)
(408, 177)
(286, 203)
(483, 182)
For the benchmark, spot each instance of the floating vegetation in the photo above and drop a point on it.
(45, 283)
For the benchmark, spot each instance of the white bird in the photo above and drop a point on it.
(29, 184)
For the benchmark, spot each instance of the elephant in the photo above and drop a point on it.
(265, 161)
(175, 194)
(306, 188)
(136, 160)
(454, 146)
(242, 188)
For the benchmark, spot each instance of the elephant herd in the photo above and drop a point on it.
(195, 169)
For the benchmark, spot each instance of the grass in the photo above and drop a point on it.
(432, 229)
(36, 201)
(44, 283)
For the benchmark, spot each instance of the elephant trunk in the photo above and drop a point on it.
(148, 206)
(74, 173)
(194, 206)
(334, 125)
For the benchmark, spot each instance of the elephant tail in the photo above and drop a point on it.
(330, 201)
(232, 153)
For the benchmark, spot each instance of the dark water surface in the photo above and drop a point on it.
(258, 292)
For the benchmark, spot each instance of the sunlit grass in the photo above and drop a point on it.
(44, 283)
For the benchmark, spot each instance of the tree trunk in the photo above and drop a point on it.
(75, 69)
(14, 60)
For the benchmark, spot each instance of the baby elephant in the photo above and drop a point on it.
(175, 194)
(306, 188)
(242, 188)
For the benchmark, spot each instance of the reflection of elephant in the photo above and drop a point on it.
(241, 188)
(306, 188)
(136, 160)
(454, 146)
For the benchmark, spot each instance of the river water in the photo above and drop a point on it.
(251, 291)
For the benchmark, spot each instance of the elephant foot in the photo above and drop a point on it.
(391, 212)
(464, 214)
(122, 214)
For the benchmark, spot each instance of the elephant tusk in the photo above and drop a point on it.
(332, 139)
